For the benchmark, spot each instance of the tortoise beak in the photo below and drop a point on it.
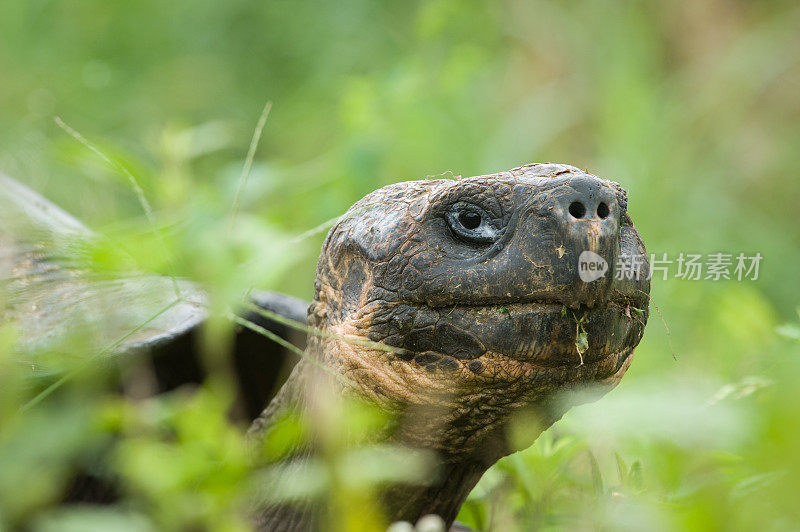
(587, 215)
(569, 236)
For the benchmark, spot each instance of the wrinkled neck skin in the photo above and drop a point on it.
(463, 425)
(445, 488)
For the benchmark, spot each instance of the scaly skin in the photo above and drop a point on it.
(477, 329)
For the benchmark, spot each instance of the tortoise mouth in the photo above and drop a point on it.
(550, 334)
(507, 340)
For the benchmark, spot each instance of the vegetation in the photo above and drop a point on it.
(692, 106)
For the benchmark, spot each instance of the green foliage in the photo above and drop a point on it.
(692, 106)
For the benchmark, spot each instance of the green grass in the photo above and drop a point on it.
(691, 106)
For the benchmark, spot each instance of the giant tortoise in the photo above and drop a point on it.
(449, 304)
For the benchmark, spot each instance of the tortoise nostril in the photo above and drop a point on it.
(577, 209)
(602, 210)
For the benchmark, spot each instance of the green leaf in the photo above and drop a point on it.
(635, 475)
(622, 469)
(789, 330)
(92, 519)
(597, 476)
(582, 342)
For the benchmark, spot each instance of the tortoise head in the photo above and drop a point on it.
(494, 292)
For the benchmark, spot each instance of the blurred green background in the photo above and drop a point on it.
(692, 106)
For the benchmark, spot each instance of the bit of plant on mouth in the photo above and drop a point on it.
(581, 338)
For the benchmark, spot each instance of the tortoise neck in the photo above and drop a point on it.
(443, 497)
(443, 492)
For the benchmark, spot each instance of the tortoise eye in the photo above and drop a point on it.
(471, 224)
(470, 220)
